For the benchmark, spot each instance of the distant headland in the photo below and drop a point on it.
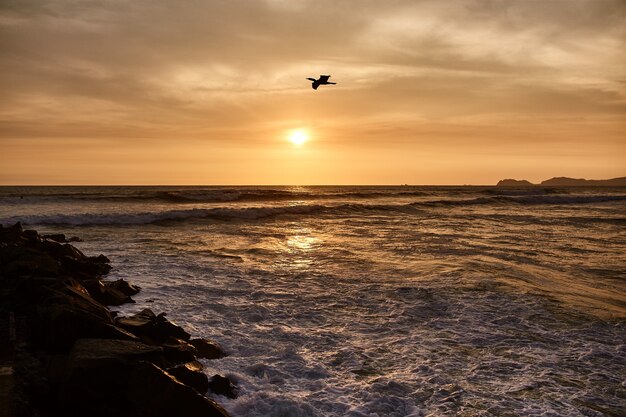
(565, 182)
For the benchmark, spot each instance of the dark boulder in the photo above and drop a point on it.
(31, 235)
(105, 293)
(57, 237)
(208, 349)
(153, 392)
(191, 374)
(97, 375)
(11, 234)
(67, 313)
(221, 385)
(21, 261)
(178, 350)
(72, 293)
(123, 287)
(93, 353)
(58, 326)
(100, 259)
(85, 268)
(153, 328)
(59, 250)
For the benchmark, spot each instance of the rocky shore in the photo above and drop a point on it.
(64, 353)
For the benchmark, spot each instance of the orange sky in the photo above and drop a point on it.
(206, 92)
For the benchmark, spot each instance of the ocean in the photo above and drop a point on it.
(374, 301)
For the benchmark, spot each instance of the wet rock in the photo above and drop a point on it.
(21, 261)
(59, 250)
(67, 313)
(74, 239)
(208, 349)
(153, 328)
(72, 293)
(178, 351)
(59, 326)
(153, 392)
(11, 234)
(106, 294)
(221, 385)
(191, 374)
(101, 259)
(97, 374)
(57, 237)
(123, 287)
(30, 234)
(85, 269)
(93, 353)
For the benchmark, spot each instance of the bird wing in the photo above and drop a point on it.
(312, 79)
(324, 78)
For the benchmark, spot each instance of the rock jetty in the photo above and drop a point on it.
(64, 353)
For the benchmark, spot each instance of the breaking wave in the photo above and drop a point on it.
(221, 195)
(254, 213)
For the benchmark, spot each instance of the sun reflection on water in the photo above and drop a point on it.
(301, 243)
(300, 248)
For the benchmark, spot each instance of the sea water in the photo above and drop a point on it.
(374, 301)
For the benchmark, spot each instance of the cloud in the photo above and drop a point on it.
(232, 71)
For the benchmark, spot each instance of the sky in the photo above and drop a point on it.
(209, 92)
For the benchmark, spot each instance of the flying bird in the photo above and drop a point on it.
(323, 80)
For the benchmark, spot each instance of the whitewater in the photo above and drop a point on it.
(374, 301)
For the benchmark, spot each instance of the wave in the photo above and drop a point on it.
(524, 191)
(85, 219)
(526, 200)
(219, 195)
(254, 213)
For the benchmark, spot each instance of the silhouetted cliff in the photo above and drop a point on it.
(565, 181)
(513, 183)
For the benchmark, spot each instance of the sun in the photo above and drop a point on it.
(298, 137)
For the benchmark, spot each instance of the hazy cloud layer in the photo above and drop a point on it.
(529, 78)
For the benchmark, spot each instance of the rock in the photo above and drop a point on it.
(57, 237)
(85, 269)
(92, 353)
(178, 351)
(208, 349)
(61, 250)
(153, 328)
(74, 239)
(123, 287)
(30, 234)
(70, 292)
(568, 182)
(59, 326)
(20, 261)
(513, 183)
(11, 234)
(100, 259)
(221, 385)
(106, 294)
(97, 376)
(67, 313)
(191, 374)
(155, 393)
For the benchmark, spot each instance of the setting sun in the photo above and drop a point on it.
(298, 137)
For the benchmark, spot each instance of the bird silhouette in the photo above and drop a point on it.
(323, 80)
